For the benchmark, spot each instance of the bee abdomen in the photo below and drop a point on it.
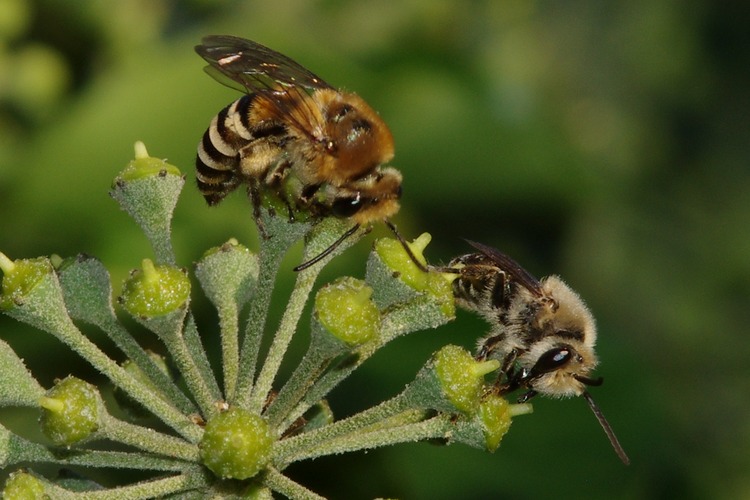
(217, 163)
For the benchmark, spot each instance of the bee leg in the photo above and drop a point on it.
(275, 179)
(527, 395)
(253, 192)
(489, 344)
(308, 192)
(328, 250)
(513, 377)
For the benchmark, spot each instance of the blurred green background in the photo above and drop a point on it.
(603, 141)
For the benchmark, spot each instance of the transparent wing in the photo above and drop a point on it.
(255, 67)
(510, 266)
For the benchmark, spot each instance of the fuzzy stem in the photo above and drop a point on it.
(183, 358)
(156, 488)
(436, 427)
(124, 340)
(283, 336)
(200, 358)
(229, 325)
(288, 449)
(147, 439)
(269, 261)
(279, 483)
(113, 460)
(323, 349)
(325, 384)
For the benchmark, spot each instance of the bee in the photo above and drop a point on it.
(290, 121)
(541, 331)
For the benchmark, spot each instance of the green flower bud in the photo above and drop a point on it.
(392, 253)
(236, 444)
(495, 414)
(146, 166)
(228, 273)
(462, 377)
(20, 277)
(155, 291)
(70, 411)
(23, 486)
(344, 308)
(148, 189)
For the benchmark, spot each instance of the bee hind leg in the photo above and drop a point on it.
(253, 191)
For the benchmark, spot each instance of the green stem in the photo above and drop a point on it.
(200, 358)
(283, 336)
(156, 488)
(165, 385)
(116, 460)
(433, 428)
(323, 349)
(19, 450)
(326, 383)
(148, 439)
(230, 349)
(279, 483)
(288, 449)
(269, 261)
(182, 356)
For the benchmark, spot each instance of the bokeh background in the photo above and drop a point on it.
(603, 141)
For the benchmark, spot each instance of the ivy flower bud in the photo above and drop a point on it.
(22, 485)
(228, 274)
(20, 277)
(155, 290)
(462, 377)
(392, 253)
(495, 415)
(346, 310)
(144, 166)
(147, 189)
(236, 444)
(70, 411)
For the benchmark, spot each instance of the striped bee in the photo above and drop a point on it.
(292, 122)
(541, 331)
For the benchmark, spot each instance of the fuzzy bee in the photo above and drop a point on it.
(292, 122)
(541, 331)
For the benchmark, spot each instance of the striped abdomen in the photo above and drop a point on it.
(231, 138)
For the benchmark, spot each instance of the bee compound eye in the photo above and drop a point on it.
(553, 360)
(347, 206)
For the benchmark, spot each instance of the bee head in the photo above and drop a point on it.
(562, 336)
(558, 369)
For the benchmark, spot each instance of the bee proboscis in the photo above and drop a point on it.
(541, 331)
(291, 122)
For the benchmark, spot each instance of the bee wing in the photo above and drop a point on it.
(255, 67)
(510, 266)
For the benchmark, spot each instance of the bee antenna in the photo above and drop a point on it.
(406, 246)
(607, 429)
(325, 253)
